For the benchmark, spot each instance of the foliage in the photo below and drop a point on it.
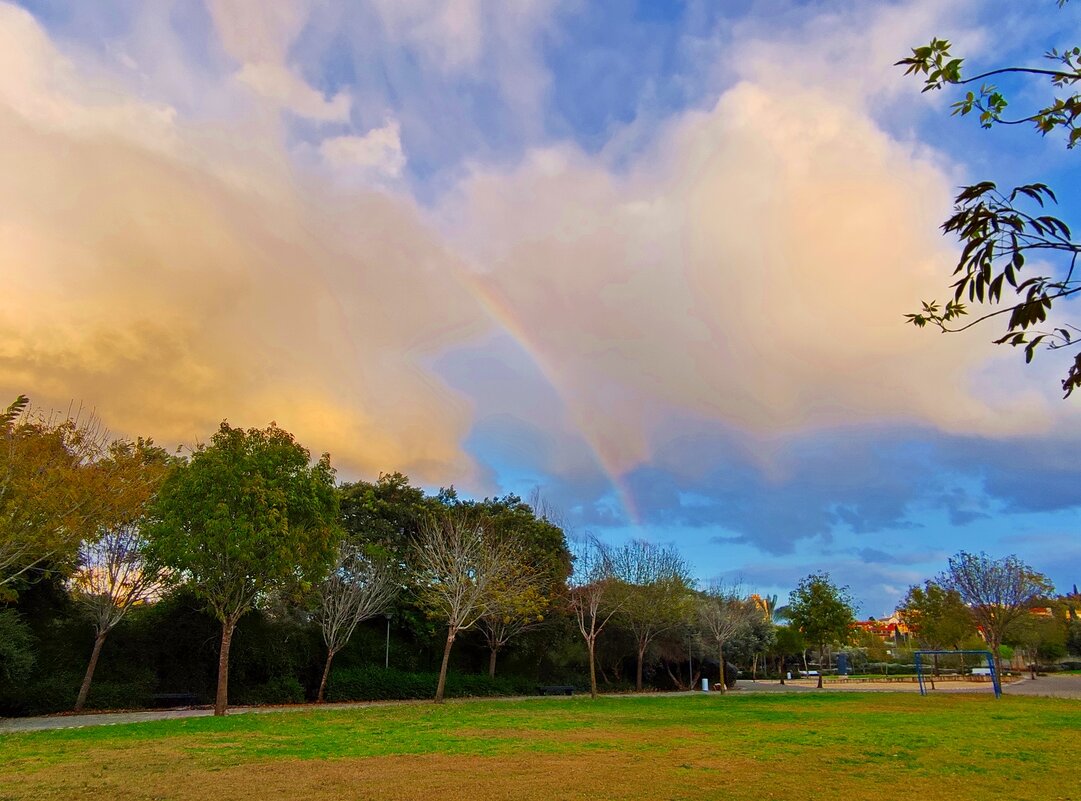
(371, 683)
(651, 588)
(16, 649)
(1073, 638)
(938, 616)
(53, 479)
(997, 591)
(822, 611)
(246, 518)
(1000, 229)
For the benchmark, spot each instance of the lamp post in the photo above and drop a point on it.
(386, 661)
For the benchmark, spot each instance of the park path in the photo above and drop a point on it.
(1051, 686)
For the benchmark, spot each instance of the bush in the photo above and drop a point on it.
(136, 693)
(16, 648)
(279, 690)
(369, 683)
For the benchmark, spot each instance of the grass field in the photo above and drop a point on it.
(811, 746)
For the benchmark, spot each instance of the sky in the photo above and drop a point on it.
(649, 258)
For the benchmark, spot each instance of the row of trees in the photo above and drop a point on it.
(249, 522)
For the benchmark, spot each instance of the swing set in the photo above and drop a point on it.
(990, 667)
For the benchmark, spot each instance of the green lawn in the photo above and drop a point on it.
(851, 745)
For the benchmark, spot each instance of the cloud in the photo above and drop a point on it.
(285, 88)
(376, 155)
(172, 289)
(258, 34)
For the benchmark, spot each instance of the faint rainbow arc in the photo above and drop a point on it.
(499, 310)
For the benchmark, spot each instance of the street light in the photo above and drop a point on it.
(386, 662)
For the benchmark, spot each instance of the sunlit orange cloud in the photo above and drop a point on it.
(171, 288)
(749, 268)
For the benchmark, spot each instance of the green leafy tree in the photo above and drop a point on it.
(249, 516)
(788, 641)
(938, 616)
(1000, 229)
(997, 591)
(823, 612)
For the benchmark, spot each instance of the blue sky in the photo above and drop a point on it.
(650, 257)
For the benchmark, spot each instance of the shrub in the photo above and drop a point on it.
(16, 648)
(370, 683)
(279, 690)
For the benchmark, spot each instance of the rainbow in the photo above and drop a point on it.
(501, 313)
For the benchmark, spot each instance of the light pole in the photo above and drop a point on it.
(386, 661)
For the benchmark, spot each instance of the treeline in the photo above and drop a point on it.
(243, 572)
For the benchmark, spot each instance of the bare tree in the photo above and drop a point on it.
(457, 569)
(590, 589)
(998, 591)
(723, 614)
(112, 577)
(113, 573)
(358, 587)
(653, 586)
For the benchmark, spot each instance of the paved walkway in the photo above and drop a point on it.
(1052, 686)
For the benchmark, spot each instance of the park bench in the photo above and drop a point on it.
(173, 699)
(556, 689)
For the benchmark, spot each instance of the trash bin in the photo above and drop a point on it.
(705, 685)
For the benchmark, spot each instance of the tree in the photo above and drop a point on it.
(590, 597)
(1000, 229)
(247, 517)
(1040, 636)
(360, 586)
(997, 591)
(938, 616)
(113, 573)
(522, 596)
(517, 605)
(652, 590)
(789, 640)
(16, 649)
(822, 611)
(723, 615)
(458, 565)
(52, 473)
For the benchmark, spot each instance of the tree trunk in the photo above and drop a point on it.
(820, 666)
(754, 668)
(326, 675)
(720, 655)
(442, 686)
(592, 669)
(221, 702)
(997, 659)
(638, 672)
(84, 690)
(780, 667)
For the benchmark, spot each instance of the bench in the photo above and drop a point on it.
(556, 689)
(173, 699)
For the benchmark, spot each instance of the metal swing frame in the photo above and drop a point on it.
(990, 664)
